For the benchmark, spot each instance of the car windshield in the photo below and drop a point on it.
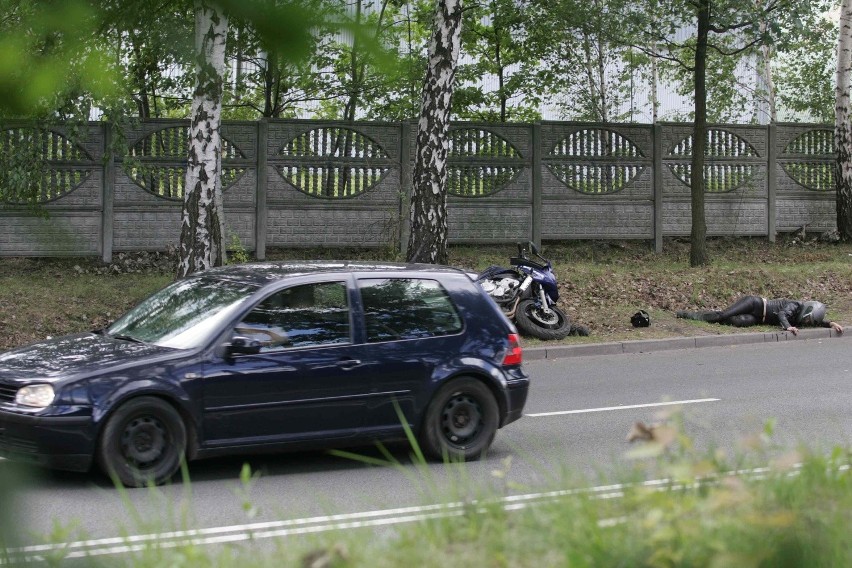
(184, 314)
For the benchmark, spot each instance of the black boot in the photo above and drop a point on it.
(689, 315)
(710, 317)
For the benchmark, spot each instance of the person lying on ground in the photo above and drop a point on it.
(755, 310)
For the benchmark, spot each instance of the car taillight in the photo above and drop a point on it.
(515, 355)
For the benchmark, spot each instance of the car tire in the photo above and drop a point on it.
(144, 441)
(460, 422)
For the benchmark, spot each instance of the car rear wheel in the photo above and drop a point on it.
(143, 442)
(461, 421)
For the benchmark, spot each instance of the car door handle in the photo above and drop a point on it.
(347, 364)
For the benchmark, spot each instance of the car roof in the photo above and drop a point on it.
(263, 272)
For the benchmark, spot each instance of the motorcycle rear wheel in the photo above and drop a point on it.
(533, 320)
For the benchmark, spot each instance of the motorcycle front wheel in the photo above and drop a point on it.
(533, 320)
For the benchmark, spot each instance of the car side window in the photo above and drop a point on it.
(407, 308)
(301, 316)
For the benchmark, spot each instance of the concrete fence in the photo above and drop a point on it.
(336, 184)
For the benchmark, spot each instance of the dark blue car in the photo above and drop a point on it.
(269, 357)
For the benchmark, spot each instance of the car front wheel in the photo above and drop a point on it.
(461, 421)
(143, 442)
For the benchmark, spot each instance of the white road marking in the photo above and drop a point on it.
(626, 407)
(270, 529)
(385, 517)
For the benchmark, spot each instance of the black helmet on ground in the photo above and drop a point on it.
(641, 319)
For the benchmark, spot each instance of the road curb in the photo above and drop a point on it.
(652, 345)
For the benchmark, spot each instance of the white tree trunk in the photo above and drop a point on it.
(428, 215)
(842, 136)
(202, 229)
(768, 82)
(655, 99)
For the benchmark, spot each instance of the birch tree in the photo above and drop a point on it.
(203, 224)
(842, 136)
(428, 214)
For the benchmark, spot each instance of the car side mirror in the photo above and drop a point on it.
(243, 346)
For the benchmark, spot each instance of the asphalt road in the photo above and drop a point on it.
(578, 415)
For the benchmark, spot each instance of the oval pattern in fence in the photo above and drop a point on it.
(39, 165)
(480, 162)
(333, 162)
(592, 161)
(722, 172)
(809, 160)
(157, 162)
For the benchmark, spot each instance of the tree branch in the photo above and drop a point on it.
(663, 56)
(744, 24)
(737, 51)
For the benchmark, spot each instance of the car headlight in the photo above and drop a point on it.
(38, 396)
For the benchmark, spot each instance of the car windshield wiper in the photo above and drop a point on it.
(127, 338)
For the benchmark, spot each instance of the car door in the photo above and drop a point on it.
(306, 380)
(411, 329)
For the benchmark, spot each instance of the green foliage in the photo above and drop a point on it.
(266, 83)
(379, 72)
(155, 56)
(332, 59)
(47, 57)
(730, 93)
(805, 63)
(578, 43)
(21, 173)
(237, 253)
(492, 38)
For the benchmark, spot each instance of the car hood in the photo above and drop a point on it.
(63, 357)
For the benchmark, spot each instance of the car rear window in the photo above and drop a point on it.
(407, 308)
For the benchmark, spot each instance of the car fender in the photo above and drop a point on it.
(167, 389)
(492, 375)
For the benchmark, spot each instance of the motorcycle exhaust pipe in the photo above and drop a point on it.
(511, 314)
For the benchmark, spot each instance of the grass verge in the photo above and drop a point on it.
(601, 284)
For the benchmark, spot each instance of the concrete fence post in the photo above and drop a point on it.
(536, 183)
(771, 180)
(260, 213)
(405, 182)
(657, 183)
(108, 193)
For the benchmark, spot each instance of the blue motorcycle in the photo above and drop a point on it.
(527, 293)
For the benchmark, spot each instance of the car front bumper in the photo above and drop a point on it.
(56, 437)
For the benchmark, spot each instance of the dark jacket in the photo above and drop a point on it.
(782, 312)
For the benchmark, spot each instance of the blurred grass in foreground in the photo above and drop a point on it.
(707, 510)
